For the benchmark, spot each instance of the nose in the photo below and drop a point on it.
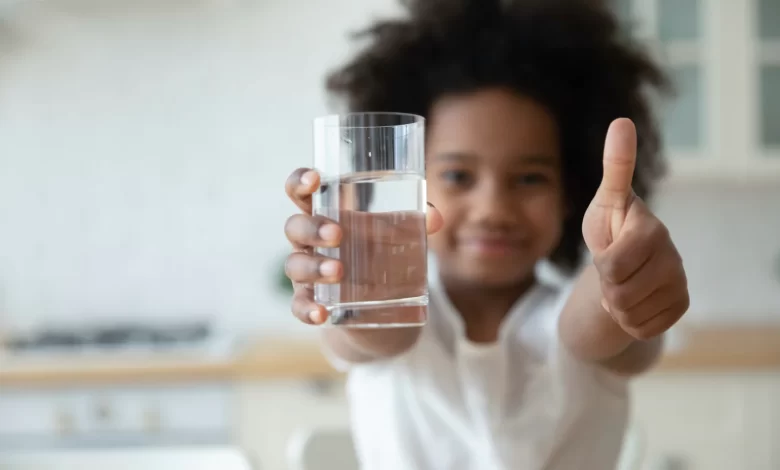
(492, 204)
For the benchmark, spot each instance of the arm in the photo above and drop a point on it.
(590, 333)
(636, 288)
(365, 345)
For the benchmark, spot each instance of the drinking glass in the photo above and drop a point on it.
(372, 172)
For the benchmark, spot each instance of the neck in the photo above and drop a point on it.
(483, 308)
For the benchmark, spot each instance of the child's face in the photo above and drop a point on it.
(494, 172)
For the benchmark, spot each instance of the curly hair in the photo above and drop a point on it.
(572, 56)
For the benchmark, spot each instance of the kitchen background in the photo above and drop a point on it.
(143, 149)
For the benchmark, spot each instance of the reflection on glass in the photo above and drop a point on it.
(769, 19)
(678, 20)
(770, 105)
(683, 118)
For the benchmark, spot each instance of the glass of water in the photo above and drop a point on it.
(372, 172)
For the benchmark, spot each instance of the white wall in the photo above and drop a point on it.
(144, 146)
(729, 236)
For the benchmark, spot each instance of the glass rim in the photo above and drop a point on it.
(324, 121)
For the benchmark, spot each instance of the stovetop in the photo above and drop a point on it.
(195, 336)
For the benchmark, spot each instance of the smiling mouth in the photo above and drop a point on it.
(491, 246)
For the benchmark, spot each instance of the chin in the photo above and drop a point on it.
(495, 277)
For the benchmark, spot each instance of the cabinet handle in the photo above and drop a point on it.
(103, 412)
(65, 423)
(672, 462)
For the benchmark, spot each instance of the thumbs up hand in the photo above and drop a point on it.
(643, 283)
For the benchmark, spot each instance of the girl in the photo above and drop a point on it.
(541, 149)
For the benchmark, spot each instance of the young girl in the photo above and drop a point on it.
(540, 149)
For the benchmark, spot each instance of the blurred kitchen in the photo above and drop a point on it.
(143, 149)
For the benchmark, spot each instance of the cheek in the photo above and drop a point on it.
(545, 215)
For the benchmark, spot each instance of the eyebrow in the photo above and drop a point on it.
(537, 159)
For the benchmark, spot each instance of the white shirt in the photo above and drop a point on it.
(521, 403)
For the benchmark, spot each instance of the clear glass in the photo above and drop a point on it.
(768, 23)
(770, 105)
(372, 168)
(683, 118)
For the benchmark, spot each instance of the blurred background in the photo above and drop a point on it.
(143, 149)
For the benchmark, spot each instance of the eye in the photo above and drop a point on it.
(531, 179)
(456, 176)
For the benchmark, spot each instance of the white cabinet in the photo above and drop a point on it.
(272, 412)
(724, 59)
(40, 418)
(762, 419)
(710, 421)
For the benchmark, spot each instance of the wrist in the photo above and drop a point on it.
(586, 328)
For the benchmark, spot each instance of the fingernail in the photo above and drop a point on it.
(328, 232)
(315, 316)
(308, 178)
(329, 268)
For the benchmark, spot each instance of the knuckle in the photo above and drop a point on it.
(643, 334)
(679, 309)
(287, 262)
(626, 319)
(619, 298)
(296, 263)
(656, 230)
(299, 308)
(301, 267)
(289, 225)
(685, 303)
(632, 321)
(301, 228)
(610, 268)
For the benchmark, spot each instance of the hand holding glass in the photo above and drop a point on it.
(372, 171)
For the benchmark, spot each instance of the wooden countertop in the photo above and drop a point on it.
(714, 349)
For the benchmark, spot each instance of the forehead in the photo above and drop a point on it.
(494, 124)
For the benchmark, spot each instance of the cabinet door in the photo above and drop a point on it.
(270, 413)
(697, 421)
(723, 57)
(678, 33)
(762, 421)
(765, 39)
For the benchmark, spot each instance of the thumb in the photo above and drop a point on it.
(619, 162)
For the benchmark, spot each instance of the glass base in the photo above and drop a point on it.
(396, 313)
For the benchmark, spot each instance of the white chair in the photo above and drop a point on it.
(322, 449)
(333, 448)
(196, 458)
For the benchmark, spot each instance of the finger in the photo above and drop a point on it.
(664, 269)
(658, 301)
(300, 185)
(641, 236)
(304, 231)
(619, 162)
(305, 309)
(308, 269)
(433, 220)
(660, 323)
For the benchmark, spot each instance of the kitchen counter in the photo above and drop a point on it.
(710, 349)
